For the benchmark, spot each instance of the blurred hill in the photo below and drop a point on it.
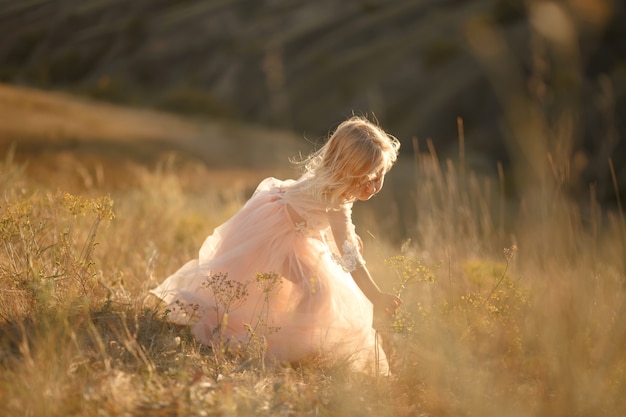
(78, 143)
(302, 65)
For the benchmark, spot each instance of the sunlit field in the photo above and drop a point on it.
(513, 307)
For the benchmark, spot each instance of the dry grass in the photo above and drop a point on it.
(483, 331)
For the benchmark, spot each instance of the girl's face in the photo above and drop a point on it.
(369, 187)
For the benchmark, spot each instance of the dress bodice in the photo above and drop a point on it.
(313, 218)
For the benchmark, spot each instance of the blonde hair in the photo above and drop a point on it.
(357, 150)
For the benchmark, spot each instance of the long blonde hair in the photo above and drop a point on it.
(357, 150)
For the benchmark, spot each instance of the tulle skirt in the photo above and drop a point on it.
(258, 279)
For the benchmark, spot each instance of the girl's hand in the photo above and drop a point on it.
(384, 310)
(387, 304)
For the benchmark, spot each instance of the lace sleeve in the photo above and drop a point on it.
(351, 258)
(348, 254)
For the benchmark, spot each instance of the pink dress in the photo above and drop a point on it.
(279, 271)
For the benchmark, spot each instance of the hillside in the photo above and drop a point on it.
(304, 66)
(64, 134)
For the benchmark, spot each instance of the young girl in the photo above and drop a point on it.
(288, 266)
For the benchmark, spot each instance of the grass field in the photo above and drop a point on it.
(507, 312)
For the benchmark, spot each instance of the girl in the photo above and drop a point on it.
(288, 266)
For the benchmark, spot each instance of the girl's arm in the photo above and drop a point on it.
(351, 247)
